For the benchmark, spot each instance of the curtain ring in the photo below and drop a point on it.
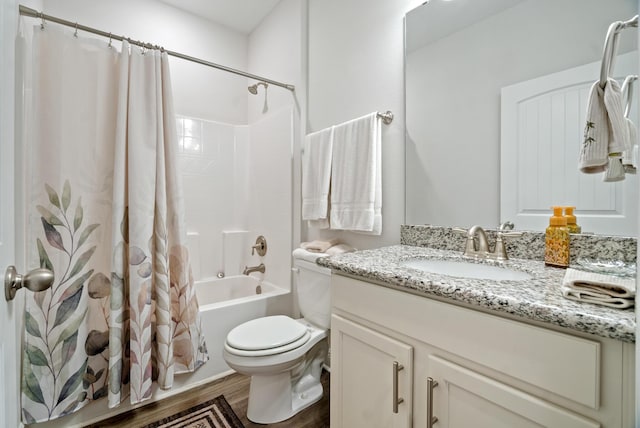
(109, 39)
(42, 23)
(75, 34)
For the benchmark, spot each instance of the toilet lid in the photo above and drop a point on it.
(266, 333)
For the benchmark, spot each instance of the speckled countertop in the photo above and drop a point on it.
(538, 299)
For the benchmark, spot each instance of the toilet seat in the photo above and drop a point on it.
(266, 336)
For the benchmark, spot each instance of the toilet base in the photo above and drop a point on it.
(272, 399)
(276, 397)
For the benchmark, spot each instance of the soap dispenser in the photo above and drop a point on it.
(572, 223)
(556, 250)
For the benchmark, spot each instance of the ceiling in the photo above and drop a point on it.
(436, 19)
(241, 15)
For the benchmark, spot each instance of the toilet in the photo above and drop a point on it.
(284, 356)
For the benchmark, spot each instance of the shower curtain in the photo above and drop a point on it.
(105, 215)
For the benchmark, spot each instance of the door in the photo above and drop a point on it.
(542, 130)
(9, 311)
(365, 365)
(464, 398)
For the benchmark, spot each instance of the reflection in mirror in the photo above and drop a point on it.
(467, 62)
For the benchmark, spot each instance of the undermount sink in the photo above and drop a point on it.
(464, 269)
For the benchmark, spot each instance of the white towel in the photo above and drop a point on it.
(318, 246)
(607, 290)
(606, 130)
(356, 176)
(339, 249)
(301, 253)
(316, 176)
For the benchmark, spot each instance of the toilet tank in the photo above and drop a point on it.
(313, 284)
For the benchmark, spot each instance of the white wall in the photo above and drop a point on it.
(356, 59)
(199, 91)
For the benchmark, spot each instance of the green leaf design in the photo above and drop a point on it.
(27, 418)
(36, 356)
(31, 325)
(66, 195)
(49, 216)
(70, 408)
(102, 392)
(72, 383)
(77, 218)
(30, 386)
(75, 286)
(53, 195)
(69, 347)
(45, 262)
(67, 308)
(85, 233)
(82, 260)
(53, 236)
(71, 329)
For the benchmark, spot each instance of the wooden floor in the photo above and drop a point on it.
(236, 390)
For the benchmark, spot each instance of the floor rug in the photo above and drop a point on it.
(216, 413)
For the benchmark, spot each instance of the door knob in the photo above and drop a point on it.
(36, 280)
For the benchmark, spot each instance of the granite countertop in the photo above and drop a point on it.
(538, 299)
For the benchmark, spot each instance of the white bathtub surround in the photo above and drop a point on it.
(102, 170)
(235, 248)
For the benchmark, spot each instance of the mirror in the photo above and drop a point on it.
(462, 56)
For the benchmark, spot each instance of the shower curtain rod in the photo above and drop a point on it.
(27, 11)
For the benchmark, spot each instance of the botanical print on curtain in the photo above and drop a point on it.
(105, 216)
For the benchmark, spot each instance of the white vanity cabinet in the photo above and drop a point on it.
(491, 371)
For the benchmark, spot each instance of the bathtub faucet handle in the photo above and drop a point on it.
(261, 246)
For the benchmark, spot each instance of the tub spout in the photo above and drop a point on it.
(249, 269)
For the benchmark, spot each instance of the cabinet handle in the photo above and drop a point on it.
(431, 383)
(396, 368)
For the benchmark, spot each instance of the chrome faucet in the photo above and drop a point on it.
(477, 245)
(250, 269)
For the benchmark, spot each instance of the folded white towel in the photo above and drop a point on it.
(318, 246)
(316, 174)
(598, 288)
(339, 249)
(606, 130)
(301, 253)
(356, 176)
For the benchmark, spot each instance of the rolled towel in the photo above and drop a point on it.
(302, 254)
(319, 246)
(339, 249)
(607, 290)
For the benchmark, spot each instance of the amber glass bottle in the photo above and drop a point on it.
(556, 249)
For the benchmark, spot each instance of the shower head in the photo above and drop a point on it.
(253, 89)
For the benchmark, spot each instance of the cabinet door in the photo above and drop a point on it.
(465, 398)
(363, 374)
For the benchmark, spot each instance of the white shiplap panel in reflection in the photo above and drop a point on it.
(542, 129)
